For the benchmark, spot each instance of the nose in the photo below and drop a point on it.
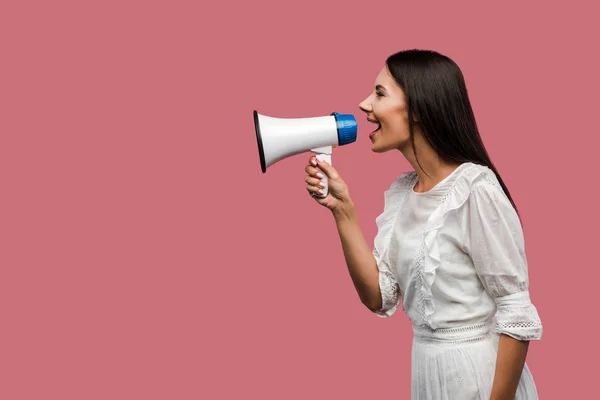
(365, 105)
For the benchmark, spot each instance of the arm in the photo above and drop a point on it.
(509, 365)
(361, 263)
(378, 291)
(496, 244)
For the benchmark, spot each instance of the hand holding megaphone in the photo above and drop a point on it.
(322, 154)
(321, 171)
(279, 138)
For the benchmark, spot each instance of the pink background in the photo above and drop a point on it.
(143, 254)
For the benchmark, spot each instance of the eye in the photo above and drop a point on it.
(379, 94)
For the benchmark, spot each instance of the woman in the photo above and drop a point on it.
(449, 246)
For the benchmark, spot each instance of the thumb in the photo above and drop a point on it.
(327, 169)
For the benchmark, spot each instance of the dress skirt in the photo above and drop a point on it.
(459, 364)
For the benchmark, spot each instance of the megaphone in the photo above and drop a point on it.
(279, 138)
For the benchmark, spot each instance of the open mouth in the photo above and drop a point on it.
(374, 121)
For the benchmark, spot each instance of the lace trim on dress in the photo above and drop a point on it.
(517, 317)
(390, 293)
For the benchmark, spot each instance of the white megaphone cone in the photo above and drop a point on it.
(279, 138)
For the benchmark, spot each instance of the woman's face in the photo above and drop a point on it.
(386, 107)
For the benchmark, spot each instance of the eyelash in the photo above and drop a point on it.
(379, 94)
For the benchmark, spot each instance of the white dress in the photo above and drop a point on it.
(454, 259)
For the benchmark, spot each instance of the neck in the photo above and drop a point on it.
(430, 168)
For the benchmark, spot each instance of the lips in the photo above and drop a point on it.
(374, 121)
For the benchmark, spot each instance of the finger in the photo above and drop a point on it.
(327, 168)
(313, 171)
(313, 190)
(314, 181)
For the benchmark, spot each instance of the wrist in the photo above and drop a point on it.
(345, 210)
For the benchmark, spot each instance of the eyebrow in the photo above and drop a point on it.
(379, 87)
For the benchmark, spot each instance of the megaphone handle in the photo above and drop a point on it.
(325, 180)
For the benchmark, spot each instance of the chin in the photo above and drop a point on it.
(375, 139)
(382, 146)
(377, 148)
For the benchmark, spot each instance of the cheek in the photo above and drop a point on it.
(400, 117)
(392, 116)
(384, 113)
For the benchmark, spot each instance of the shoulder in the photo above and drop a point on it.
(483, 194)
(478, 180)
(404, 180)
(393, 199)
(475, 187)
(400, 186)
(395, 194)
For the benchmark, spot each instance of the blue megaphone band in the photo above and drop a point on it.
(346, 128)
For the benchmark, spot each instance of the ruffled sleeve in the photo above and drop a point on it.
(388, 285)
(496, 244)
(391, 294)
